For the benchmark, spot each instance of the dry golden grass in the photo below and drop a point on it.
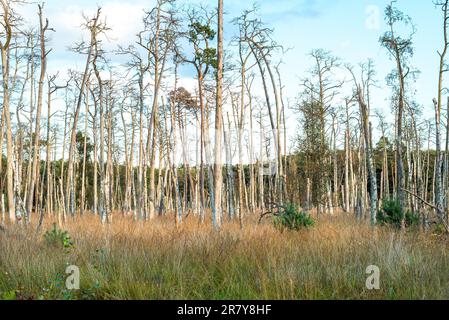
(155, 260)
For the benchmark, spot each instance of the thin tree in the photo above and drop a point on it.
(218, 175)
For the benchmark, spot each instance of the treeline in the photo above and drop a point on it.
(301, 190)
(257, 187)
(131, 139)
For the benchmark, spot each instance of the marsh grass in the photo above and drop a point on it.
(155, 260)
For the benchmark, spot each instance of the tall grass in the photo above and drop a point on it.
(155, 260)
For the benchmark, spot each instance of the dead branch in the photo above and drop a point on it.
(440, 214)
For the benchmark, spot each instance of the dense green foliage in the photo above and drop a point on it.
(291, 218)
(392, 213)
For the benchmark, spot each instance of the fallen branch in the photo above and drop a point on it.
(440, 214)
(275, 206)
(269, 213)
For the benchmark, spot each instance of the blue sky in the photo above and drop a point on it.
(341, 27)
(349, 28)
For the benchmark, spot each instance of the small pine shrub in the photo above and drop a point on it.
(412, 219)
(291, 218)
(439, 229)
(392, 214)
(58, 238)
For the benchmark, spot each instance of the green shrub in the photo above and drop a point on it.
(291, 218)
(439, 229)
(9, 295)
(58, 238)
(412, 219)
(392, 213)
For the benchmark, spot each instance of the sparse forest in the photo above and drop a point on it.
(156, 189)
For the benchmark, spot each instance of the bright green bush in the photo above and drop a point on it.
(412, 219)
(9, 295)
(58, 238)
(392, 213)
(291, 218)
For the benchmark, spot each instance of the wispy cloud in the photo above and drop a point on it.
(298, 9)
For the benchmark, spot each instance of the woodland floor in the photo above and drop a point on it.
(154, 260)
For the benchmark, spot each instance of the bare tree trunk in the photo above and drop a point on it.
(4, 48)
(48, 156)
(35, 171)
(438, 106)
(347, 156)
(108, 181)
(372, 180)
(102, 204)
(83, 174)
(229, 172)
(218, 175)
(261, 166)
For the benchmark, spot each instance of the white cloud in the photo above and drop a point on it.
(123, 18)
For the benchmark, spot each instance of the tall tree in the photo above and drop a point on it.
(94, 26)
(438, 106)
(218, 175)
(8, 19)
(43, 27)
(400, 49)
(200, 34)
(362, 90)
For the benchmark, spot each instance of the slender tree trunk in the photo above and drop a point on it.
(4, 48)
(218, 175)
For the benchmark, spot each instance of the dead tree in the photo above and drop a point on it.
(362, 94)
(7, 21)
(43, 27)
(260, 42)
(157, 39)
(95, 27)
(438, 105)
(218, 175)
(400, 49)
(200, 35)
